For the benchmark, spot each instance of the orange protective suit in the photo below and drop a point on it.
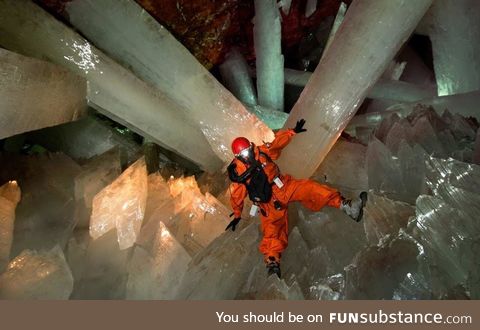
(274, 222)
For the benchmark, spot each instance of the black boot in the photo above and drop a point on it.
(354, 208)
(273, 267)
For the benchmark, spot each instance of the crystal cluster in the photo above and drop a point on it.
(196, 219)
(463, 104)
(46, 215)
(112, 89)
(155, 273)
(37, 275)
(398, 146)
(219, 271)
(100, 265)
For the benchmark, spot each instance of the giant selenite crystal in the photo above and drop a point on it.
(454, 30)
(86, 138)
(37, 275)
(236, 76)
(268, 51)
(344, 167)
(158, 58)
(373, 29)
(219, 271)
(336, 24)
(121, 205)
(9, 198)
(384, 89)
(447, 225)
(97, 173)
(45, 217)
(101, 267)
(325, 230)
(112, 90)
(377, 270)
(273, 118)
(156, 273)
(383, 217)
(193, 218)
(36, 94)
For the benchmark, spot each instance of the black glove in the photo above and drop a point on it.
(233, 224)
(299, 126)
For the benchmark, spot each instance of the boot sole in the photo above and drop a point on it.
(364, 198)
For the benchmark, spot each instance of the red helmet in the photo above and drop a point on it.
(239, 144)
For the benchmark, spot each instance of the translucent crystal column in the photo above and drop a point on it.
(112, 90)
(36, 94)
(416, 71)
(131, 36)
(236, 76)
(384, 88)
(399, 91)
(87, 138)
(310, 7)
(285, 5)
(336, 24)
(371, 34)
(268, 50)
(455, 35)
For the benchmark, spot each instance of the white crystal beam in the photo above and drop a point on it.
(35, 94)
(268, 51)
(384, 88)
(399, 91)
(310, 7)
(336, 24)
(370, 36)
(112, 90)
(236, 76)
(455, 35)
(131, 36)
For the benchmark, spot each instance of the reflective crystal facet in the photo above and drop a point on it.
(36, 94)
(121, 205)
(37, 275)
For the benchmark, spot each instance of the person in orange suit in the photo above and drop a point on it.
(253, 172)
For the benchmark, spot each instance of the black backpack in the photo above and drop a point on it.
(259, 189)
